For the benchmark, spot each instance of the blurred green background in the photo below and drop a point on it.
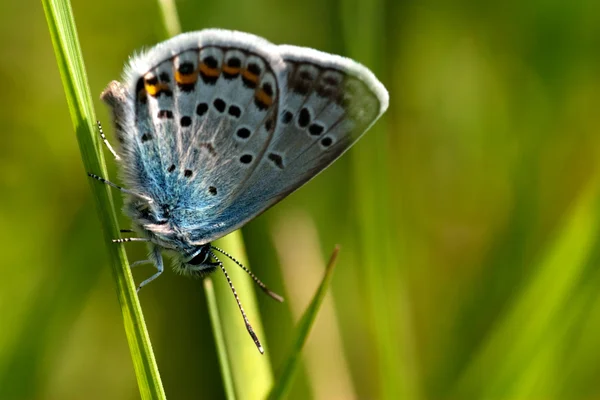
(468, 217)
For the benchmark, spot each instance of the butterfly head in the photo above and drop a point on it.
(196, 261)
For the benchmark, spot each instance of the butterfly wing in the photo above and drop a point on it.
(217, 126)
(327, 102)
(192, 116)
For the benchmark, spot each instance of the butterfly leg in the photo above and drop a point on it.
(106, 143)
(140, 262)
(156, 258)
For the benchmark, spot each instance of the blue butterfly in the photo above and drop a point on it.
(217, 126)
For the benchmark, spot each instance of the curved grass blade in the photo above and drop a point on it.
(513, 356)
(288, 371)
(70, 63)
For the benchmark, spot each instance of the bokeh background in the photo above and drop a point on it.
(468, 217)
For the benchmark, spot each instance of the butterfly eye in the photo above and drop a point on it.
(202, 256)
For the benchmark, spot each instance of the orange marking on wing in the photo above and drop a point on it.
(250, 76)
(208, 71)
(231, 70)
(153, 90)
(186, 79)
(263, 97)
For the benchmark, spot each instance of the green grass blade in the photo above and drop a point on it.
(290, 366)
(514, 357)
(378, 241)
(251, 371)
(170, 18)
(70, 62)
(215, 319)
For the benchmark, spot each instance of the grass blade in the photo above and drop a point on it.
(215, 319)
(251, 371)
(70, 63)
(292, 362)
(534, 324)
(379, 245)
(170, 18)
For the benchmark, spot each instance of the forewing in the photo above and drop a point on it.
(194, 115)
(327, 102)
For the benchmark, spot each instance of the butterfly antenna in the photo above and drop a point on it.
(248, 326)
(106, 142)
(254, 278)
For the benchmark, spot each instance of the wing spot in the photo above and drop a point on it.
(151, 80)
(254, 69)
(219, 105)
(186, 68)
(140, 90)
(302, 83)
(243, 133)
(277, 160)
(235, 111)
(209, 71)
(315, 129)
(165, 114)
(146, 137)
(155, 88)
(188, 173)
(326, 141)
(164, 77)
(212, 190)
(232, 68)
(268, 89)
(171, 168)
(185, 121)
(186, 76)
(287, 117)
(250, 75)
(201, 109)
(304, 118)
(263, 97)
(246, 159)
(234, 62)
(210, 62)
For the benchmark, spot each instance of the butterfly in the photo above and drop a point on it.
(217, 126)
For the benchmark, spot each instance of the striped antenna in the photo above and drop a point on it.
(254, 278)
(106, 142)
(248, 326)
